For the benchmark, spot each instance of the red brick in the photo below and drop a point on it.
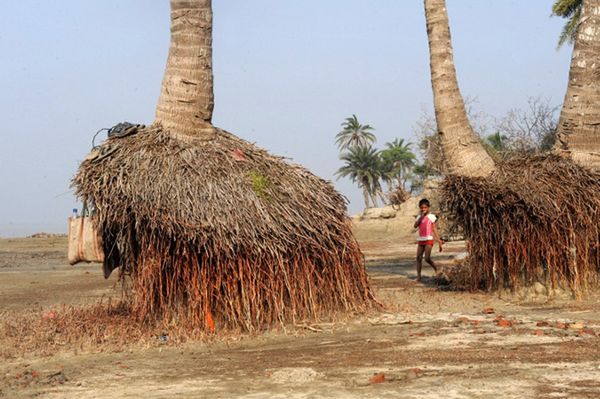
(377, 378)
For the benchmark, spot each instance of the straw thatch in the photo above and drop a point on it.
(534, 219)
(221, 234)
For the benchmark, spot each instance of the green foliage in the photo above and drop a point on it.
(260, 184)
(354, 134)
(368, 167)
(397, 160)
(571, 10)
(495, 141)
(495, 144)
(420, 173)
(362, 165)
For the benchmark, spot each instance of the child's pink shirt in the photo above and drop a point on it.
(426, 228)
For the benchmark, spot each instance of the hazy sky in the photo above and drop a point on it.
(286, 75)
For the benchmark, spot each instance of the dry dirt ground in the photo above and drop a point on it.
(429, 343)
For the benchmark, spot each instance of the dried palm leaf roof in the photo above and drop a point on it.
(535, 218)
(194, 221)
(229, 194)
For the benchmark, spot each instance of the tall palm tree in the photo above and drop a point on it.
(462, 148)
(578, 133)
(362, 167)
(354, 134)
(397, 160)
(570, 9)
(186, 101)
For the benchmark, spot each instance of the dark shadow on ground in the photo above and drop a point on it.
(397, 267)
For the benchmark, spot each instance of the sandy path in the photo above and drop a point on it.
(429, 344)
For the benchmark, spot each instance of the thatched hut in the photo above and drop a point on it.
(527, 219)
(209, 229)
(535, 219)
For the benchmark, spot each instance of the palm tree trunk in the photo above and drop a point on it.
(389, 184)
(463, 152)
(401, 180)
(578, 132)
(366, 197)
(186, 98)
(373, 199)
(382, 196)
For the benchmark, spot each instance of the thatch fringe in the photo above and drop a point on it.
(221, 234)
(535, 219)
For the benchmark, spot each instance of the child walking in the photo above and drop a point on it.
(428, 234)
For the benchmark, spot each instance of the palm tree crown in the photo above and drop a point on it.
(362, 166)
(570, 9)
(397, 160)
(354, 134)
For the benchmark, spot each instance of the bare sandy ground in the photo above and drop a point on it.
(429, 343)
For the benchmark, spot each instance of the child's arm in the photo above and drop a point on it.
(418, 221)
(437, 237)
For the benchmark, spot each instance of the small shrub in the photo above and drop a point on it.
(260, 184)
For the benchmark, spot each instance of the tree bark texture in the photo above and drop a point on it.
(366, 197)
(578, 132)
(186, 99)
(463, 152)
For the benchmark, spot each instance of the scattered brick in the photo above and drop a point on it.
(504, 323)
(377, 378)
(587, 331)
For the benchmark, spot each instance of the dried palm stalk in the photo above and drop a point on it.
(534, 219)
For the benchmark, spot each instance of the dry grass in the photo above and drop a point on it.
(535, 219)
(106, 327)
(74, 328)
(110, 326)
(221, 235)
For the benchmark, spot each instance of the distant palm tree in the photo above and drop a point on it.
(397, 160)
(570, 9)
(362, 166)
(354, 134)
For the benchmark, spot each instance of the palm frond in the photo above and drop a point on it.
(570, 9)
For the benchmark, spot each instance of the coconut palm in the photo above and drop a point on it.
(186, 101)
(397, 160)
(463, 151)
(578, 133)
(354, 134)
(213, 232)
(362, 166)
(571, 10)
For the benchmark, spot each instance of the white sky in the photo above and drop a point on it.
(286, 75)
